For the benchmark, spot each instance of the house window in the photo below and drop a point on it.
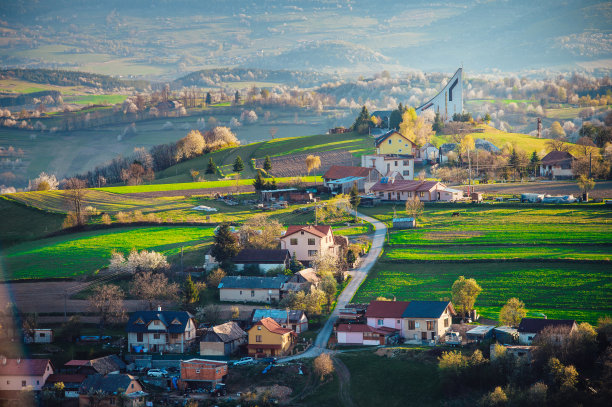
(417, 324)
(139, 337)
(240, 292)
(252, 293)
(398, 321)
(37, 382)
(293, 241)
(406, 173)
(430, 325)
(381, 322)
(257, 338)
(446, 322)
(406, 162)
(311, 242)
(312, 252)
(155, 336)
(381, 194)
(389, 141)
(411, 325)
(259, 327)
(175, 336)
(8, 382)
(421, 194)
(409, 194)
(23, 383)
(395, 163)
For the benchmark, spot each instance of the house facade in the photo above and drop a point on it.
(109, 389)
(529, 328)
(385, 314)
(308, 242)
(426, 320)
(295, 320)
(222, 340)
(251, 289)
(161, 331)
(398, 166)
(203, 371)
(360, 334)
(340, 179)
(426, 191)
(268, 338)
(557, 165)
(24, 374)
(393, 142)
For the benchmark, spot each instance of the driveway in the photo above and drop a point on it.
(358, 276)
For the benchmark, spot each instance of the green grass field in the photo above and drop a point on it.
(97, 99)
(418, 263)
(84, 253)
(20, 223)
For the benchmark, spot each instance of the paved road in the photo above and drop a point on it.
(358, 275)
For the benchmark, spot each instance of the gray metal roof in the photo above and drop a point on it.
(425, 309)
(251, 282)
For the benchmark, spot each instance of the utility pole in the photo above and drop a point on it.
(469, 173)
(590, 168)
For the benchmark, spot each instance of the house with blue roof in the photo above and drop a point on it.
(426, 320)
(161, 331)
(295, 320)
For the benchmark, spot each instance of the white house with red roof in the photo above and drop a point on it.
(24, 374)
(389, 189)
(386, 314)
(360, 334)
(308, 242)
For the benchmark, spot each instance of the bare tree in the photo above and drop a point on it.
(150, 286)
(414, 208)
(323, 366)
(260, 232)
(75, 194)
(312, 163)
(107, 301)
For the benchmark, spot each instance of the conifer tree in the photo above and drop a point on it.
(238, 164)
(267, 164)
(208, 99)
(225, 246)
(190, 290)
(212, 167)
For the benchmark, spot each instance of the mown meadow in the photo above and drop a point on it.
(554, 258)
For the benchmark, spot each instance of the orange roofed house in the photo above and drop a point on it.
(268, 338)
(308, 242)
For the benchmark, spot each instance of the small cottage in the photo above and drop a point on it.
(222, 340)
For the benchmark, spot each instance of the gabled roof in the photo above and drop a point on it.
(427, 309)
(277, 314)
(227, 332)
(262, 256)
(317, 230)
(386, 309)
(536, 325)
(310, 275)
(108, 384)
(166, 317)
(365, 328)
(66, 378)
(24, 367)
(272, 326)
(385, 136)
(407, 185)
(341, 171)
(251, 282)
(102, 365)
(556, 157)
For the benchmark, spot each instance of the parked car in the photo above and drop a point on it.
(244, 361)
(157, 373)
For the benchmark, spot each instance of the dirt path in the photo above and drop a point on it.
(344, 377)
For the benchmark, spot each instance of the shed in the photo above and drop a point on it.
(480, 333)
(272, 195)
(344, 185)
(506, 334)
(43, 335)
(203, 370)
(476, 196)
(404, 223)
(369, 201)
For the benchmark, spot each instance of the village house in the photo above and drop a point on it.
(361, 334)
(72, 383)
(24, 374)
(426, 191)
(303, 280)
(295, 320)
(529, 328)
(393, 142)
(340, 179)
(557, 165)
(222, 340)
(251, 289)
(309, 242)
(429, 152)
(386, 314)
(160, 331)
(263, 259)
(103, 365)
(427, 320)
(111, 390)
(396, 166)
(196, 372)
(268, 338)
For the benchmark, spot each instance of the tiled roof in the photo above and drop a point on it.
(426, 309)
(341, 171)
(272, 326)
(556, 157)
(536, 325)
(107, 384)
(407, 185)
(277, 314)
(364, 328)
(102, 365)
(310, 275)
(167, 317)
(252, 282)
(385, 136)
(317, 230)
(66, 378)
(23, 367)
(227, 332)
(386, 309)
(262, 256)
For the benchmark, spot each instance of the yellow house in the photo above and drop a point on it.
(394, 143)
(268, 338)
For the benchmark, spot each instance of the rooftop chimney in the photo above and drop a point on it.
(159, 307)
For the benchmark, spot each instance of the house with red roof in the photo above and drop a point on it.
(386, 314)
(268, 338)
(557, 164)
(24, 374)
(360, 334)
(310, 241)
(390, 189)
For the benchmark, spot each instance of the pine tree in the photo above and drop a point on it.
(190, 290)
(487, 118)
(237, 98)
(438, 124)
(514, 161)
(238, 164)
(212, 167)
(395, 119)
(208, 99)
(295, 265)
(259, 183)
(354, 196)
(362, 123)
(267, 164)
(225, 246)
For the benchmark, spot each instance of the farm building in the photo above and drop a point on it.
(273, 195)
(264, 259)
(506, 334)
(557, 165)
(480, 333)
(529, 328)
(203, 371)
(295, 320)
(222, 340)
(344, 185)
(404, 223)
(361, 334)
(251, 289)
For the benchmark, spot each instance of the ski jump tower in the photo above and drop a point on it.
(449, 100)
